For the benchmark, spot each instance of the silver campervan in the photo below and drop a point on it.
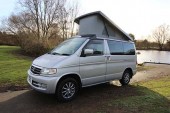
(82, 61)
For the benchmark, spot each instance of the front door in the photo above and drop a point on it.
(93, 67)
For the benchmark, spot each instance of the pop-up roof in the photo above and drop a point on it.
(99, 24)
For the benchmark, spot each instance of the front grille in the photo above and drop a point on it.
(35, 70)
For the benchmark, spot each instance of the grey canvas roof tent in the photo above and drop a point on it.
(99, 24)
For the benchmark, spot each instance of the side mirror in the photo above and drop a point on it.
(88, 52)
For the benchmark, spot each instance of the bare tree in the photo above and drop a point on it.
(42, 19)
(38, 17)
(74, 12)
(67, 17)
(161, 35)
(63, 23)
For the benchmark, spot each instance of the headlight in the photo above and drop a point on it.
(46, 71)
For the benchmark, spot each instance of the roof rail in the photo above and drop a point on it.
(89, 35)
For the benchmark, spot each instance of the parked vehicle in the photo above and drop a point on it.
(80, 62)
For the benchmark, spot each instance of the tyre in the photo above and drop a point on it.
(67, 89)
(125, 78)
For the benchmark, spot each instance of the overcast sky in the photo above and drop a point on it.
(139, 17)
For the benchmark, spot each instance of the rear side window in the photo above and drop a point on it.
(129, 48)
(97, 46)
(115, 47)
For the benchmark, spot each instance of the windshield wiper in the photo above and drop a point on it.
(66, 54)
(54, 53)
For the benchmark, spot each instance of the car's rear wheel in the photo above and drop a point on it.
(125, 78)
(67, 89)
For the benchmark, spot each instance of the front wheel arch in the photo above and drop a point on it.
(74, 76)
(61, 89)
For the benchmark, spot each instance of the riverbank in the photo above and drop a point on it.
(151, 71)
(155, 49)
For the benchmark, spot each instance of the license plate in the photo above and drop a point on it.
(30, 79)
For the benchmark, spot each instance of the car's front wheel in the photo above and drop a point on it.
(67, 89)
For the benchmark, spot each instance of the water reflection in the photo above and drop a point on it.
(153, 56)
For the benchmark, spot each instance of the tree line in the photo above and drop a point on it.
(147, 45)
(39, 25)
(160, 39)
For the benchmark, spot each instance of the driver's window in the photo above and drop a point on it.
(97, 46)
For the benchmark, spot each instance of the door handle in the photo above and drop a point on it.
(107, 57)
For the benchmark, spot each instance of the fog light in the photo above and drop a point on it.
(43, 86)
(40, 85)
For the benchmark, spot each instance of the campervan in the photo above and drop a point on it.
(85, 60)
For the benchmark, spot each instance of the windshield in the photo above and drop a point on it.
(68, 47)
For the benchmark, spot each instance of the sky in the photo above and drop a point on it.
(139, 17)
(7, 7)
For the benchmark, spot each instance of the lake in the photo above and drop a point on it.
(153, 56)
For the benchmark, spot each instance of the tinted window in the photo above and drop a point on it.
(129, 49)
(115, 47)
(97, 46)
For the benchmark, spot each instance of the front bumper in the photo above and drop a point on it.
(42, 83)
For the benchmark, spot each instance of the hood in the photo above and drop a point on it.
(48, 60)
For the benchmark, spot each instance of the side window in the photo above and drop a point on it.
(115, 47)
(129, 49)
(97, 46)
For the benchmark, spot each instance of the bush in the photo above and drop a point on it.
(33, 48)
(8, 39)
(29, 43)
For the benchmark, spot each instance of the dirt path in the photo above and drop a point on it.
(89, 99)
(157, 70)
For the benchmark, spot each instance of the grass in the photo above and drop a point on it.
(152, 97)
(13, 67)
